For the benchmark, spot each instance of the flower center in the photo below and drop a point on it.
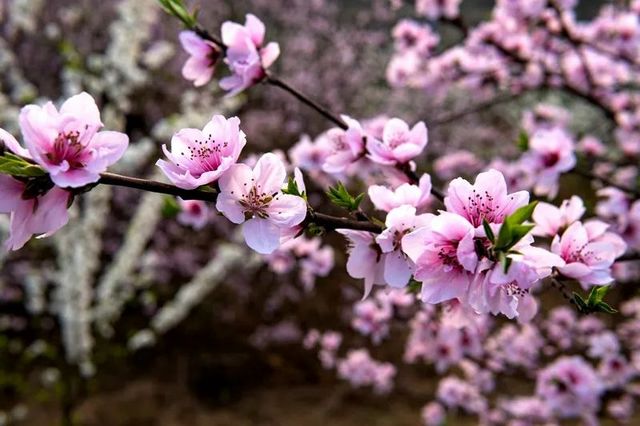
(483, 206)
(255, 203)
(67, 146)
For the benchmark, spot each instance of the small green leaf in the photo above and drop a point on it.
(523, 141)
(292, 189)
(605, 307)
(170, 207)
(414, 287)
(357, 201)
(13, 165)
(339, 196)
(178, 9)
(488, 231)
(523, 214)
(316, 230)
(580, 302)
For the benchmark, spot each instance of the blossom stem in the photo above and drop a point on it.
(275, 81)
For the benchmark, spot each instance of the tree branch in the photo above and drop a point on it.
(326, 221)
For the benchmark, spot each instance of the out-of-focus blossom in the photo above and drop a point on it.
(246, 55)
(194, 213)
(434, 9)
(570, 387)
(203, 56)
(551, 153)
(361, 370)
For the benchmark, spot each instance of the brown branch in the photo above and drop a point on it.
(328, 222)
(592, 176)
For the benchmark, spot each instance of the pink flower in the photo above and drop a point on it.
(486, 199)
(194, 213)
(436, 251)
(400, 221)
(347, 146)
(434, 9)
(550, 154)
(411, 35)
(433, 414)
(456, 163)
(509, 293)
(406, 194)
(365, 258)
(200, 157)
(399, 143)
(589, 252)
(202, 60)
(570, 387)
(550, 220)
(246, 56)
(255, 197)
(67, 144)
(42, 215)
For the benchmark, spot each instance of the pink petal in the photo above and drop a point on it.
(237, 181)
(397, 271)
(83, 109)
(287, 210)
(74, 178)
(261, 235)
(51, 214)
(198, 70)
(108, 147)
(12, 144)
(255, 28)
(194, 44)
(269, 174)
(269, 54)
(10, 193)
(228, 205)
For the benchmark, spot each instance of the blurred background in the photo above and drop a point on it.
(128, 317)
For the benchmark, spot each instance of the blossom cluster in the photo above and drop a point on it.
(473, 353)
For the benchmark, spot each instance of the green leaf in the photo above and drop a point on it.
(512, 229)
(316, 230)
(292, 189)
(13, 165)
(414, 286)
(523, 214)
(178, 9)
(594, 302)
(339, 196)
(523, 141)
(605, 307)
(170, 207)
(580, 302)
(488, 231)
